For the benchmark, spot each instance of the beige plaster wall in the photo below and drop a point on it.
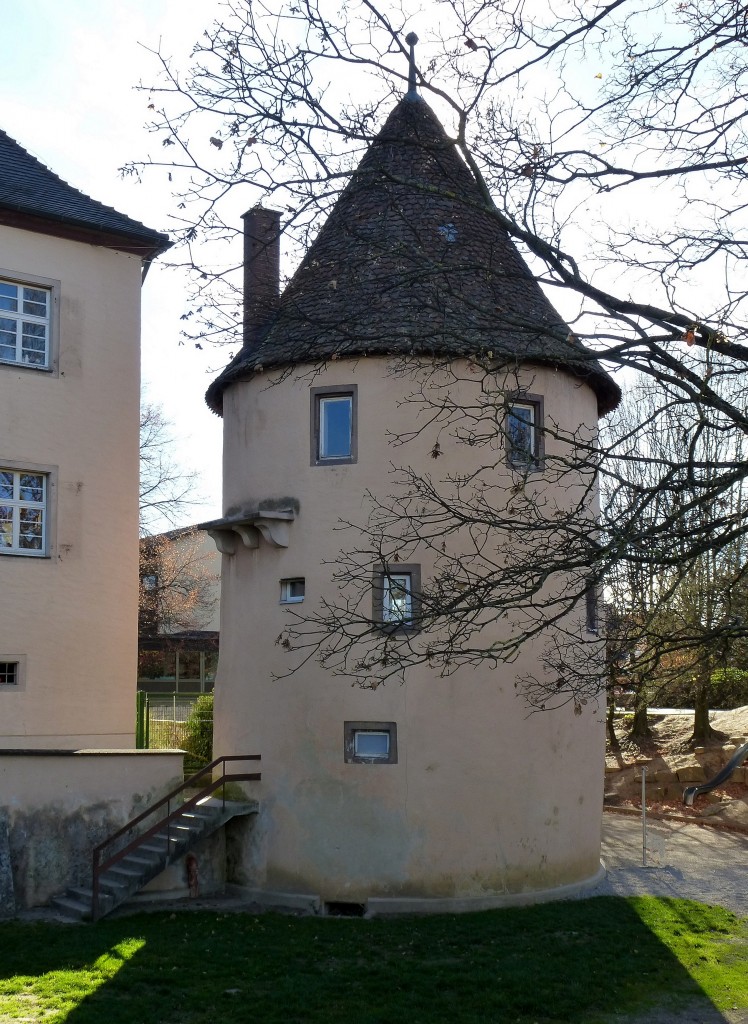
(73, 615)
(57, 806)
(484, 799)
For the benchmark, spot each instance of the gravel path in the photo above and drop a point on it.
(692, 861)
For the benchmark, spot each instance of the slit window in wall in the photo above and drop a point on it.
(334, 427)
(591, 609)
(292, 590)
(524, 432)
(370, 743)
(396, 596)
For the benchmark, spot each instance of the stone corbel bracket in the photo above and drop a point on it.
(269, 524)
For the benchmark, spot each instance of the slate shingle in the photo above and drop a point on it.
(28, 188)
(408, 262)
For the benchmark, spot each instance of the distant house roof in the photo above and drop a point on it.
(409, 261)
(33, 197)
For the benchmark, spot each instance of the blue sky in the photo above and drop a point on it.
(67, 77)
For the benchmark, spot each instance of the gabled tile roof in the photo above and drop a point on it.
(31, 194)
(408, 262)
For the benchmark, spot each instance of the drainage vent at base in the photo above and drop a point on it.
(340, 909)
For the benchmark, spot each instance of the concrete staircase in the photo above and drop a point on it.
(149, 857)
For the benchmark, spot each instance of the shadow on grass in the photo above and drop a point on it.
(578, 961)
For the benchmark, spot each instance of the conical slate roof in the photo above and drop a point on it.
(408, 262)
(32, 196)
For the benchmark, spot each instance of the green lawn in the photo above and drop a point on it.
(576, 961)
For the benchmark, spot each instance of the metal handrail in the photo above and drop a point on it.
(99, 866)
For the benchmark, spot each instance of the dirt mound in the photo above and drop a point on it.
(672, 763)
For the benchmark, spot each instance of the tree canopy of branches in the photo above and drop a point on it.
(609, 142)
(683, 621)
(178, 584)
(166, 489)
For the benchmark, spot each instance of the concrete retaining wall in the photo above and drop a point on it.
(57, 805)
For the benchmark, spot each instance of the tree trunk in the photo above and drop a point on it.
(640, 726)
(610, 723)
(702, 730)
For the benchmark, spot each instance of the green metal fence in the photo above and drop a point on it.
(168, 721)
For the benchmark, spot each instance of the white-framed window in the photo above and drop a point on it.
(292, 590)
(12, 672)
(524, 432)
(23, 512)
(25, 324)
(334, 427)
(396, 596)
(370, 742)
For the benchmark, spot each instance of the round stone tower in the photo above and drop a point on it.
(411, 310)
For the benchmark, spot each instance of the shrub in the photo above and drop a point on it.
(198, 740)
(729, 688)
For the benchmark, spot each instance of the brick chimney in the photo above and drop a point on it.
(261, 270)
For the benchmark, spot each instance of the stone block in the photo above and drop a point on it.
(691, 773)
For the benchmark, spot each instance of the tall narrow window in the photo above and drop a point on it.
(591, 610)
(24, 324)
(524, 433)
(23, 508)
(334, 433)
(396, 597)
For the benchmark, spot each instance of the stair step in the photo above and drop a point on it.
(80, 893)
(77, 909)
(116, 891)
(117, 871)
(135, 860)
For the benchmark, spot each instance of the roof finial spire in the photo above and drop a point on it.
(411, 39)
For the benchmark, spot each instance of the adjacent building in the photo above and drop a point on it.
(71, 271)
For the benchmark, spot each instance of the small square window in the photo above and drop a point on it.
(396, 597)
(292, 591)
(334, 427)
(524, 432)
(370, 742)
(9, 673)
(12, 672)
